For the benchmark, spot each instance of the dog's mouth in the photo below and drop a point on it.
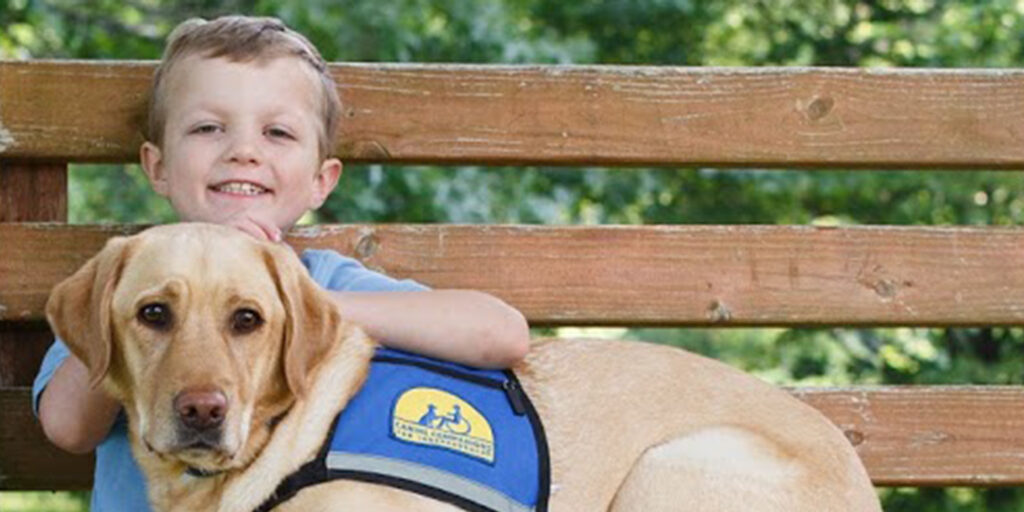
(198, 447)
(202, 450)
(188, 436)
(174, 437)
(204, 445)
(201, 446)
(202, 458)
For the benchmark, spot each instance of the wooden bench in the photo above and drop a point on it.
(56, 112)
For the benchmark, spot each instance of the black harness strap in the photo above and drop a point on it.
(311, 473)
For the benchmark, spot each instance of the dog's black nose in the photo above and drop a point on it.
(201, 410)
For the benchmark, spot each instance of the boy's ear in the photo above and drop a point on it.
(325, 181)
(152, 160)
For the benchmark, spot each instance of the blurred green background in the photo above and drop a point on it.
(876, 33)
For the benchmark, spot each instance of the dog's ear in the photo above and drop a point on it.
(312, 323)
(79, 308)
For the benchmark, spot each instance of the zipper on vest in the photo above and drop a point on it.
(514, 394)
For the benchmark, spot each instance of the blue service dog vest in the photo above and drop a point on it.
(462, 435)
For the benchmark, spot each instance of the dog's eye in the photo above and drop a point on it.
(157, 316)
(245, 321)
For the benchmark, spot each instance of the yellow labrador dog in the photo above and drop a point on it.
(234, 326)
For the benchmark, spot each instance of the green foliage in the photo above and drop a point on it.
(44, 501)
(114, 194)
(940, 33)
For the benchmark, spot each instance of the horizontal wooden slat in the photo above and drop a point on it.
(654, 275)
(913, 436)
(931, 435)
(569, 115)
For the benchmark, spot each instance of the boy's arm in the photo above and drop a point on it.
(75, 416)
(463, 326)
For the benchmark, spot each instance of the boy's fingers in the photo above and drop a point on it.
(255, 227)
(246, 226)
(252, 230)
(270, 231)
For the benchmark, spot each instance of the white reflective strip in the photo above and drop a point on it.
(452, 483)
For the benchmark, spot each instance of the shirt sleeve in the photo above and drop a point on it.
(55, 355)
(343, 274)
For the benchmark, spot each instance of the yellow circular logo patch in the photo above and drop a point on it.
(435, 417)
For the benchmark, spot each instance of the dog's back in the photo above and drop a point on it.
(634, 426)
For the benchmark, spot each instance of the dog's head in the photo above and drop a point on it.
(202, 332)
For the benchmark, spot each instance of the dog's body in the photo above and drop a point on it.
(631, 426)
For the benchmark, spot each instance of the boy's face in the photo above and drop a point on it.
(241, 139)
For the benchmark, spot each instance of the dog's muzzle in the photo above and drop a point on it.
(200, 415)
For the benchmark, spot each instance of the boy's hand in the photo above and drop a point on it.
(254, 226)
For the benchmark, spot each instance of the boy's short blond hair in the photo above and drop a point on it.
(241, 39)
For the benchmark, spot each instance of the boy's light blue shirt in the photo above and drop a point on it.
(118, 484)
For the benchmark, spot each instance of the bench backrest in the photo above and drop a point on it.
(56, 112)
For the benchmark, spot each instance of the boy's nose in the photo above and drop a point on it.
(244, 150)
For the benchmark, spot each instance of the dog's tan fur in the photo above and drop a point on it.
(632, 426)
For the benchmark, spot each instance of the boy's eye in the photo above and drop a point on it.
(278, 132)
(206, 128)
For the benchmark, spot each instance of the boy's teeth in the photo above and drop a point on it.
(246, 189)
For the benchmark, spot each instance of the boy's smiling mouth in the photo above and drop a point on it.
(241, 188)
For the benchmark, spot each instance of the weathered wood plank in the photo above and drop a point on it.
(22, 347)
(33, 192)
(931, 435)
(622, 275)
(569, 115)
(28, 192)
(27, 460)
(914, 436)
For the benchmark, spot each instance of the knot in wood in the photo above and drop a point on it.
(855, 437)
(366, 247)
(819, 107)
(885, 289)
(719, 312)
(367, 150)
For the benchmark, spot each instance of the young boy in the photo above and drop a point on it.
(242, 119)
